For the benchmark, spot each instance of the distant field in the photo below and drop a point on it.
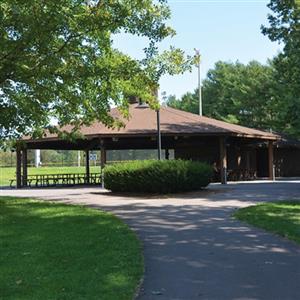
(9, 173)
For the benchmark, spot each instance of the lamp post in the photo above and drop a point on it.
(198, 56)
(158, 135)
(37, 158)
(78, 158)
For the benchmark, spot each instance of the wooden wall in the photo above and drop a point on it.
(287, 162)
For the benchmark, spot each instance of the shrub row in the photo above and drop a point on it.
(152, 176)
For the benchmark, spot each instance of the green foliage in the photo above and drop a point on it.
(237, 93)
(282, 218)
(57, 61)
(284, 27)
(188, 102)
(58, 251)
(150, 176)
(256, 95)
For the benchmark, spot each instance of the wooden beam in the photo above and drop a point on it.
(24, 161)
(271, 160)
(87, 166)
(18, 168)
(223, 160)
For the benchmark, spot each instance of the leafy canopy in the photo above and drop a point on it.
(284, 27)
(236, 93)
(256, 95)
(57, 60)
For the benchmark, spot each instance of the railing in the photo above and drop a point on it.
(43, 180)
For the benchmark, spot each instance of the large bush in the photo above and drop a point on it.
(152, 176)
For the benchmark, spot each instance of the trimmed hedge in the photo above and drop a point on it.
(153, 176)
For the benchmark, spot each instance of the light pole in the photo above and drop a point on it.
(158, 135)
(198, 57)
(37, 158)
(78, 158)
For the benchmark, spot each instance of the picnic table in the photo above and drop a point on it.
(41, 180)
(242, 174)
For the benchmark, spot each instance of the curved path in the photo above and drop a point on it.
(194, 249)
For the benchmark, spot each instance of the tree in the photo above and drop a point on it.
(284, 27)
(236, 93)
(57, 61)
(255, 95)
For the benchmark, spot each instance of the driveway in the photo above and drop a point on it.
(194, 249)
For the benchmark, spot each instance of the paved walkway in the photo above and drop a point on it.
(194, 249)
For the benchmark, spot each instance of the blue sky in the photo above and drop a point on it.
(222, 30)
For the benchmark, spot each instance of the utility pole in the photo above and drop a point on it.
(198, 57)
(158, 135)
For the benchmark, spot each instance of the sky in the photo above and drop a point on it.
(227, 30)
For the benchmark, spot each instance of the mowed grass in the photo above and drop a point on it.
(282, 218)
(10, 173)
(59, 251)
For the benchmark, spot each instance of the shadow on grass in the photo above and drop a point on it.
(58, 251)
(282, 218)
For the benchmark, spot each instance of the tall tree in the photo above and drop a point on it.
(57, 60)
(236, 93)
(284, 27)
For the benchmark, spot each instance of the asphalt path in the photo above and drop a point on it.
(194, 248)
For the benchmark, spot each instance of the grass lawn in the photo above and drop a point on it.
(282, 218)
(9, 173)
(59, 251)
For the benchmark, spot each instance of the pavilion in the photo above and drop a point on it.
(229, 147)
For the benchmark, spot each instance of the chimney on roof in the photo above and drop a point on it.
(136, 100)
(133, 99)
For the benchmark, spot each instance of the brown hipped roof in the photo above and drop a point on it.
(143, 121)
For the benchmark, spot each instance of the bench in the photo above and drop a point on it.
(46, 180)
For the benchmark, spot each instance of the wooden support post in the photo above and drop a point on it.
(87, 166)
(223, 160)
(103, 162)
(19, 168)
(103, 157)
(167, 154)
(24, 160)
(271, 161)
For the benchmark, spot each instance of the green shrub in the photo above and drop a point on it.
(153, 176)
